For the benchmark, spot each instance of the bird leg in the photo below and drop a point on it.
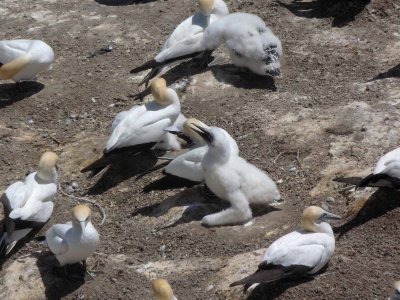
(89, 273)
(206, 59)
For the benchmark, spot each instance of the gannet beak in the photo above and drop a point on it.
(332, 216)
(203, 132)
(173, 129)
(83, 225)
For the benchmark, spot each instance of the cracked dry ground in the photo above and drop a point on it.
(336, 105)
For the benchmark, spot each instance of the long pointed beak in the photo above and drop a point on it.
(83, 225)
(203, 132)
(176, 132)
(332, 216)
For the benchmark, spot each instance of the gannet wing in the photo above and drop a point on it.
(15, 195)
(56, 238)
(188, 48)
(11, 49)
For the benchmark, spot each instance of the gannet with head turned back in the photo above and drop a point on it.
(22, 60)
(162, 290)
(396, 294)
(386, 173)
(74, 241)
(188, 165)
(28, 204)
(187, 34)
(302, 252)
(233, 179)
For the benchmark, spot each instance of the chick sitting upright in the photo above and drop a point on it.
(233, 179)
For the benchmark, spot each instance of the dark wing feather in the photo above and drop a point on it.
(348, 180)
(147, 65)
(169, 182)
(380, 180)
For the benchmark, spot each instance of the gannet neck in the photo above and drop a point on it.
(9, 70)
(171, 97)
(47, 175)
(220, 8)
(217, 156)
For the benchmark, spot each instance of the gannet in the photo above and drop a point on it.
(188, 33)
(74, 241)
(22, 60)
(233, 179)
(188, 165)
(396, 294)
(250, 42)
(28, 205)
(386, 173)
(162, 290)
(302, 252)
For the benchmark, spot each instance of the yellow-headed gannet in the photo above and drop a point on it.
(302, 252)
(233, 179)
(396, 294)
(386, 173)
(188, 33)
(74, 241)
(162, 290)
(188, 165)
(28, 204)
(250, 42)
(22, 60)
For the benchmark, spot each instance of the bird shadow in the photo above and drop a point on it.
(342, 11)
(224, 73)
(14, 92)
(56, 287)
(123, 168)
(379, 203)
(196, 203)
(168, 182)
(272, 290)
(393, 72)
(122, 2)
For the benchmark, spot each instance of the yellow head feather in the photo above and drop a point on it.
(81, 212)
(161, 289)
(159, 90)
(206, 5)
(12, 68)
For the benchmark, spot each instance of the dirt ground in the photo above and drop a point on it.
(333, 112)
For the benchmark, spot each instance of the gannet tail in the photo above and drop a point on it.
(348, 180)
(372, 180)
(147, 65)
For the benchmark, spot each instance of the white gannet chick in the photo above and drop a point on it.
(233, 179)
(74, 241)
(396, 294)
(28, 204)
(22, 60)
(188, 165)
(144, 124)
(386, 173)
(302, 252)
(162, 290)
(170, 141)
(186, 35)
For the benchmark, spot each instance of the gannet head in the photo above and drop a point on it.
(187, 128)
(314, 215)
(9, 70)
(162, 290)
(159, 91)
(47, 166)
(206, 6)
(81, 215)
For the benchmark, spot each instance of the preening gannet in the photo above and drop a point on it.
(74, 241)
(301, 252)
(28, 204)
(250, 42)
(188, 33)
(396, 294)
(386, 173)
(233, 179)
(188, 165)
(162, 290)
(22, 60)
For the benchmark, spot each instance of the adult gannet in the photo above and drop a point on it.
(233, 179)
(162, 290)
(386, 173)
(28, 205)
(188, 33)
(74, 241)
(188, 165)
(302, 252)
(396, 294)
(22, 60)
(250, 42)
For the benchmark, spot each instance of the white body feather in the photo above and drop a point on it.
(389, 164)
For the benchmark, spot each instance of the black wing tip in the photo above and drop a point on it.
(147, 65)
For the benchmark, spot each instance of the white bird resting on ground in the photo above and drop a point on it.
(189, 32)
(386, 173)
(28, 205)
(396, 294)
(302, 252)
(250, 42)
(22, 60)
(162, 290)
(188, 165)
(142, 127)
(232, 179)
(73, 242)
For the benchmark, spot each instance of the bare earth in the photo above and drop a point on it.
(334, 111)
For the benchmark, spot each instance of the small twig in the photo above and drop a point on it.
(289, 152)
(102, 211)
(55, 140)
(298, 158)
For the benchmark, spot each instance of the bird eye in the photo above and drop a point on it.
(273, 46)
(237, 53)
